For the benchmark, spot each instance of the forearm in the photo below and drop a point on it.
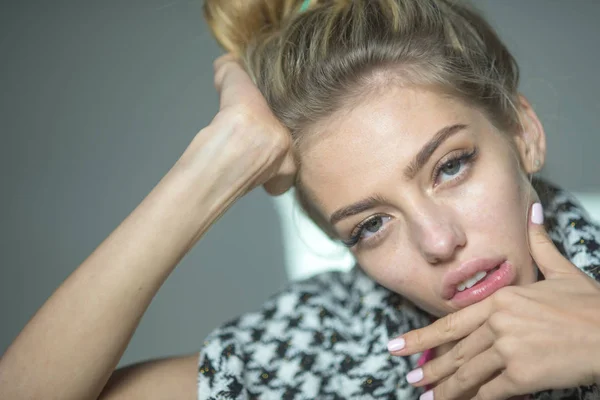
(73, 343)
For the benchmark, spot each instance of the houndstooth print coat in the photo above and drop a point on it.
(326, 337)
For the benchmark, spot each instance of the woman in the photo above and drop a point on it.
(400, 126)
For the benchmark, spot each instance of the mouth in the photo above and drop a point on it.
(478, 277)
(475, 280)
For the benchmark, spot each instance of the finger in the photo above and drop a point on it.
(234, 84)
(230, 81)
(542, 249)
(452, 327)
(284, 179)
(499, 388)
(219, 71)
(222, 60)
(446, 365)
(468, 378)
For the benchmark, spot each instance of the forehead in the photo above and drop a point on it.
(358, 150)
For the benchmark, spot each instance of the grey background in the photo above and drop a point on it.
(99, 98)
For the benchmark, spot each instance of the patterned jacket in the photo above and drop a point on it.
(326, 337)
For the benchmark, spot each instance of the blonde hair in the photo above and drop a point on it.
(310, 64)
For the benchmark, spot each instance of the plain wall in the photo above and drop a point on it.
(99, 98)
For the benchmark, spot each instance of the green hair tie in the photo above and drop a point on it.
(305, 5)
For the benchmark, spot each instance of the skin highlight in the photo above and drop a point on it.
(423, 225)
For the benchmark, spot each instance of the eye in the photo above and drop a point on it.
(372, 226)
(367, 229)
(454, 166)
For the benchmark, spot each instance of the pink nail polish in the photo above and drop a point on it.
(396, 344)
(415, 375)
(537, 214)
(428, 395)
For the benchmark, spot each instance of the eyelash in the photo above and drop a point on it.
(463, 156)
(357, 232)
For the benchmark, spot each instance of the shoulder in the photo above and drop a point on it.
(573, 231)
(323, 336)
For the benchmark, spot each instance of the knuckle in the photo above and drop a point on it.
(218, 78)
(219, 71)
(277, 145)
(432, 370)
(459, 353)
(518, 376)
(463, 378)
(505, 348)
(441, 391)
(281, 139)
(540, 237)
(504, 298)
(447, 325)
(448, 389)
(216, 64)
(415, 339)
(222, 60)
(498, 321)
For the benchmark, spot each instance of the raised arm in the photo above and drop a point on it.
(72, 345)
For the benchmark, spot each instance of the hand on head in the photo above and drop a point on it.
(255, 131)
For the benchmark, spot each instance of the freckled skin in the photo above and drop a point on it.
(434, 226)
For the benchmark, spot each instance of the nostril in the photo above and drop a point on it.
(434, 260)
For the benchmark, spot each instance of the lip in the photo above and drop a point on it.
(505, 275)
(466, 270)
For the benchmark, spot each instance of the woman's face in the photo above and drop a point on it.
(428, 194)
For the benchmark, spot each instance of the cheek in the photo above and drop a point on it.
(497, 208)
(392, 264)
(495, 219)
(407, 274)
(401, 269)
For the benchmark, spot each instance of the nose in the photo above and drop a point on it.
(437, 235)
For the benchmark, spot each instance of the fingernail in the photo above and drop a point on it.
(428, 395)
(537, 214)
(415, 375)
(396, 344)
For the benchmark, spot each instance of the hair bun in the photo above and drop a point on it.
(236, 23)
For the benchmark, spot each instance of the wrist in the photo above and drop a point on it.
(193, 201)
(223, 162)
(208, 178)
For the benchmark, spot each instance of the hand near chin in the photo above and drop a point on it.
(518, 341)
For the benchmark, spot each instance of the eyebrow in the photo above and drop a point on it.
(430, 147)
(409, 172)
